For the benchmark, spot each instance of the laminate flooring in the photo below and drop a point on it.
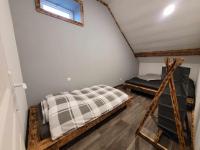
(118, 131)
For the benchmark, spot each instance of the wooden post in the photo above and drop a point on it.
(167, 80)
(175, 106)
(192, 130)
(155, 100)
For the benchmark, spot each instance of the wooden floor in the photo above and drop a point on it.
(118, 131)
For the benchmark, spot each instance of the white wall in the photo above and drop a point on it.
(156, 68)
(52, 50)
(11, 53)
(154, 65)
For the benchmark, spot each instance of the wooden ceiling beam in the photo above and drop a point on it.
(182, 52)
(102, 2)
(120, 29)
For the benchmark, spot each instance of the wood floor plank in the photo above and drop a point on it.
(111, 134)
(85, 142)
(124, 139)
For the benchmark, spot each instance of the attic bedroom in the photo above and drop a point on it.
(99, 75)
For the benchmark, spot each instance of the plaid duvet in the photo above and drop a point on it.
(71, 110)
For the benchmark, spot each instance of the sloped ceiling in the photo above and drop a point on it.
(147, 29)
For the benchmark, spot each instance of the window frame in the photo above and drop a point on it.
(43, 11)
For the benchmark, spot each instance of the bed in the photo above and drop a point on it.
(65, 122)
(149, 85)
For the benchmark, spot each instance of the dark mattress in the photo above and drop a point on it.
(155, 84)
(44, 131)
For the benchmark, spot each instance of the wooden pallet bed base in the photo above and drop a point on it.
(153, 141)
(140, 87)
(148, 90)
(34, 142)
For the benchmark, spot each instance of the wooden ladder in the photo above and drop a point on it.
(171, 66)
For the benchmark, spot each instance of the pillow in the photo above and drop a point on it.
(45, 111)
(150, 76)
(180, 74)
(43, 115)
(45, 106)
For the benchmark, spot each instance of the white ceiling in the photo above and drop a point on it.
(147, 29)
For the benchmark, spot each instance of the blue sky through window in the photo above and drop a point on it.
(50, 7)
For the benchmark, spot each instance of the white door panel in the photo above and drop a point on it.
(12, 59)
(11, 133)
(11, 136)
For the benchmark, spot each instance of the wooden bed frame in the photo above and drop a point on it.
(35, 143)
(140, 88)
(147, 90)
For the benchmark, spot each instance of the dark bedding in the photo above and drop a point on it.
(44, 130)
(191, 89)
(155, 84)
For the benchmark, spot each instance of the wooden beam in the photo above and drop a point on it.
(182, 52)
(192, 130)
(175, 106)
(142, 88)
(120, 29)
(152, 141)
(167, 80)
(102, 2)
(155, 100)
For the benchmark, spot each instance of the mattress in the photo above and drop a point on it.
(155, 84)
(71, 110)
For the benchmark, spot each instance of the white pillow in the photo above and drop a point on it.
(150, 76)
(45, 111)
(45, 107)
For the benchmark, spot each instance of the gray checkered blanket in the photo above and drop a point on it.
(71, 110)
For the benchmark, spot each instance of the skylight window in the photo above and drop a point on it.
(66, 10)
(66, 13)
